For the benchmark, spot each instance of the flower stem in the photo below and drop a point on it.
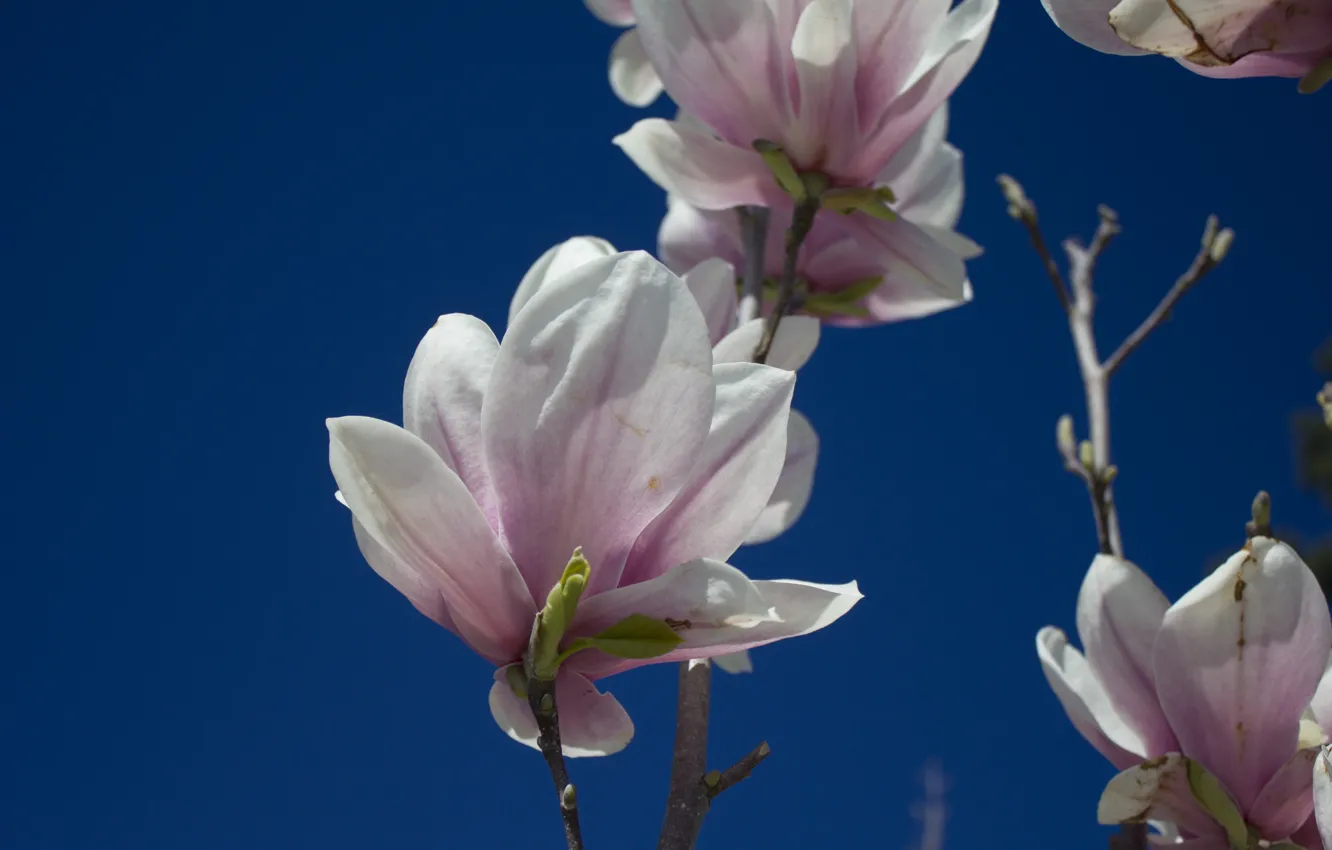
(801, 222)
(754, 235)
(541, 697)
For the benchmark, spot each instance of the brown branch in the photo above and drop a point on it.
(718, 781)
(801, 222)
(1023, 210)
(541, 697)
(687, 802)
(1215, 243)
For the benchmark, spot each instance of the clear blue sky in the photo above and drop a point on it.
(222, 223)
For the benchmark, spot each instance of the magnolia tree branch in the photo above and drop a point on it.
(1090, 460)
(933, 811)
(687, 801)
(541, 697)
(801, 222)
(754, 235)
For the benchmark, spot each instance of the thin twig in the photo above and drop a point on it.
(541, 697)
(802, 219)
(718, 781)
(687, 801)
(1206, 259)
(933, 812)
(754, 235)
(1021, 208)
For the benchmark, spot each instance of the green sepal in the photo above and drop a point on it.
(871, 201)
(781, 167)
(1212, 796)
(637, 636)
(845, 302)
(554, 620)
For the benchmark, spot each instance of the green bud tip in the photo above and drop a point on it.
(712, 778)
(1221, 245)
(547, 703)
(1087, 454)
(1064, 436)
(569, 799)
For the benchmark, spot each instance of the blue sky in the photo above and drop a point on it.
(220, 224)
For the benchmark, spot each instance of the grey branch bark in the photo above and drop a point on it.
(541, 697)
(754, 235)
(1091, 461)
(687, 801)
(801, 222)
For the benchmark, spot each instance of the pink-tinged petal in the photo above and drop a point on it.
(723, 60)
(940, 71)
(411, 504)
(712, 283)
(1085, 701)
(1219, 32)
(1238, 660)
(1322, 797)
(824, 50)
(961, 245)
(734, 663)
(1086, 22)
(1307, 836)
(1157, 789)
(793, 489)
(442, 398)
(1261, 65)
(600, 402)
(934, 195)
(733, 475)
(689, 236)
(420, 591)
(591, 723)
(617, 13)
(920, 275)
(722, 611)
(556, 261)
(794, 344)
(1321, 704)
(891, 37)
(1120, 612)
(1285, 802)
(702, 170)
(632, 77)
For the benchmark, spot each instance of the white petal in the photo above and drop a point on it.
(732, 477)
(420, 591)
(712, 283)
(734, 663)
(591, 723)
(1085, 701)
(1086, 22)
(617, 13)
(962, 246)
(824, 51)
(601, 399)
(415, 507)
(559, 260)
(793, 489)
(1322, 793)
(702, 170)
(797, 337)
(632, 77)
(1157, 789)
(443, 394)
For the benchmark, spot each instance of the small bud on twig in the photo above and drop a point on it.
(1065, 439)
(1261, 524)
(1221, 245)
(1087, 455)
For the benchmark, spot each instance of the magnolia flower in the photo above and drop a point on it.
(632, 77)
(1322, 792)
(596, 459)
(1241, 38)
(840, 87)
(712, 284)
(1205, 705)
(847, 282)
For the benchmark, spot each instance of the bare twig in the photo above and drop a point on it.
(754, 235)
(687, 801)
(1090, 461)
(541, 697)
(801, 222)
(718, 781)
(933, 811)
(1215, 243)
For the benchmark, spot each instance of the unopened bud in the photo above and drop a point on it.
(712, 778)
(1111, 473)
(1087, 455)
(1065, 439)
(569, 799)
(1221, 245)
(783, 171)
(1261, 525)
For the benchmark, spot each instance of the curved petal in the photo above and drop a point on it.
(794, 344)
(702, 170)
(1157, 789)
(1237, 661)
(1322, 797)
(1085, 701)
(732, 478)
(1321, 704)
(419, 590)
(1219, 32)
(1086, 22)
(734, 663)
(689, 236)
(1261, 65)
(617, 13)
(724, 61)
(632, 77)
(920, 275)
(600, 401)
(558, 260)
(933, 194)
(824, 50)
(1285, 802)
(1119, 615)
(712, 283)
(914, 158)
(720, 611)
(960, 245)
(793, 489)
(442, 398)
(948, 60)
(591, 723)
(415, 507)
